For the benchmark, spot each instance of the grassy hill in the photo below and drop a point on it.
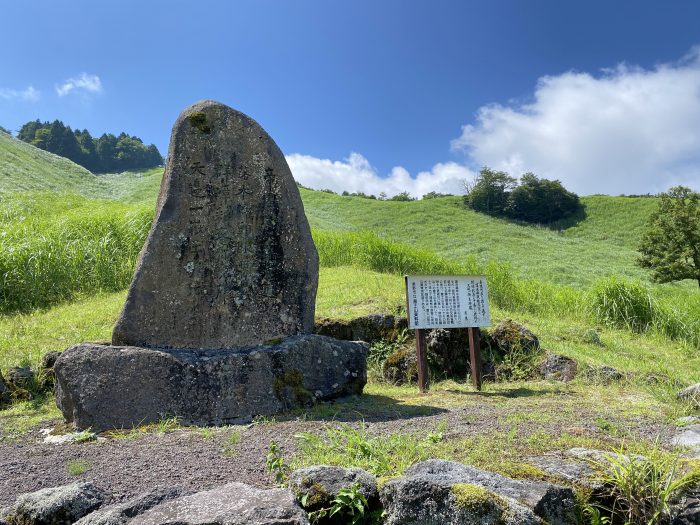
(68, 234)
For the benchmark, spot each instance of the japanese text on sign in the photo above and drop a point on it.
(444, 301)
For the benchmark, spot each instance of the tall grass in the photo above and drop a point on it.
(44, 262)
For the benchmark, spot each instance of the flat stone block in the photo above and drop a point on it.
(112, 387)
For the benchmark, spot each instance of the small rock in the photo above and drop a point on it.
(603, 374)
(427, 492)
(232, 504)
(69, 437)
(46, 376)
(55, 506)
(689, 438)
(322, 484)
(691, 394)
(509, 336)
(592, 337)
(558, 368)
(335, 328)
(20, 377)
(401, 366)
(121, 513)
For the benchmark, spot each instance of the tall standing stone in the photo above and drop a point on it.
(229, 260)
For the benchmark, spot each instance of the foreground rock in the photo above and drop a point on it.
(54, 506)
(448, 492)
(232, 504)
(321, 484)
(121, 513)
(229, 260)
(107, 387)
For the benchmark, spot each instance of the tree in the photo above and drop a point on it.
(490, 191)
(671, 245)
(404, 196)
(541, 200)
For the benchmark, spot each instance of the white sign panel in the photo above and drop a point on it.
(447, 301)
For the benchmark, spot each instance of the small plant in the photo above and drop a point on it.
(231, 445)
(263, 420)
(350, 505)
(275, 463)
(166, 425)
(85, 436)
(642, 489)
(437, 435)
(78, 467)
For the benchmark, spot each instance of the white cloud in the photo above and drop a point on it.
(628, 130)
(84, 81)
(356, 174)
(29, 94)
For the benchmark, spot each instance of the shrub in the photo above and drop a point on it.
(623, 304)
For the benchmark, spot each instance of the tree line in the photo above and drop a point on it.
(106, 154)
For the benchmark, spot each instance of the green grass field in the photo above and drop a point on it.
(69, 241)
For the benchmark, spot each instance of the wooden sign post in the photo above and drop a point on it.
(447, 301)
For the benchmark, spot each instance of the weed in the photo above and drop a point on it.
(78, 467)
(263, 420)
(231, 445)
(349, 505)
(641, 488)
(85, 436)
(274, 462)
(168, 424)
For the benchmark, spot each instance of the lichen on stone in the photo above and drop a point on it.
(292, 380)
(199, 121)
(477, 499)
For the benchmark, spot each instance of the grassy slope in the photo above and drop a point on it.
(603, 244)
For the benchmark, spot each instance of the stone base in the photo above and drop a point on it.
(113, 387)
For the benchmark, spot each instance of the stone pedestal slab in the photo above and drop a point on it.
(107, 387)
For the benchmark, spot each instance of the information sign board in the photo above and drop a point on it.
(447, 301)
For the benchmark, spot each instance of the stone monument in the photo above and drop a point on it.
(215, 328)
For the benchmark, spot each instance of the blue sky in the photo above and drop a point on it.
(383, 95)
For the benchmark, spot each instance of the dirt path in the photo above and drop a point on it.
(203, 458)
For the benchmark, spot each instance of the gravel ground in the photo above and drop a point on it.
(192, 459)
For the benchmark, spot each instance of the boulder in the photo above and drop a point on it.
(428, 492)
(691, 394)
(107, 387)
(687, 512)
(232, 504)
(592, 337)
(321, 484)
(558, 368)
(690, 439)
(55, 506)
(121, 513)
(229, 260)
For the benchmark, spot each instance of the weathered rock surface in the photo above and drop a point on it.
(232, 504)
(691, 394)
(5, 394)
(46, 376)
(106, 387)
(689, 438)
(509, 336)
(688, 509)
(20, 377)
(121, 513)
(322, 483)
(603, 374)
(55, 506)
(419, 500)
(558, 367)
(369, 328)
(427, 491)
(229, 260)
(401, 366)
(449, 349)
